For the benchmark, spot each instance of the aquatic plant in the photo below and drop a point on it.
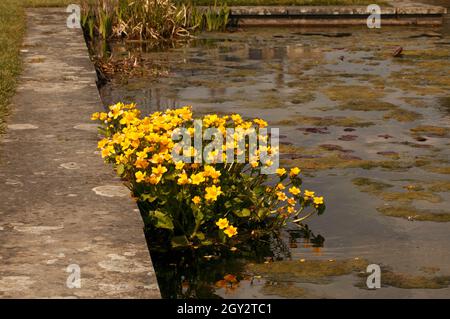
(211, 201)
(149, 19)
(134, 19)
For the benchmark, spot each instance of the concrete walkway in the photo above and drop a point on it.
(59, 203)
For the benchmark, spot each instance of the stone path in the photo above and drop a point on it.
(59, 203)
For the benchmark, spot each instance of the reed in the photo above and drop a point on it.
(150, 19)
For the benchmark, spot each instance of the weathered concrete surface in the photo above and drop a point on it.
(59, 203)
(399, 13)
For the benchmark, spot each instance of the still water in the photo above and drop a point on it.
(370, 130)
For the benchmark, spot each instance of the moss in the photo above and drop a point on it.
(325, 121)
(302, 97)
(431, 130)
(438, 170)
(268, 101)
(311, 271)
(444, 103)
(440, 186)
(414, 187)
(389, 154)
(412, 213)
(283, 289)
(430, 270)
(432, 79)
(352, 92)
(417, 102)
(406, 281)
(407, 197)
(367, 105)
(321, 158)
(426, 54)
(369, 185)
(402, 115)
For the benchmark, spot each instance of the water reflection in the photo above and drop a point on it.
(216, 272)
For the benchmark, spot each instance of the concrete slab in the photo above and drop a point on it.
(61, 207)
(400, 12)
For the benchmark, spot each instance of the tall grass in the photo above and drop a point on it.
(149, 19)
(212, 18)
(134, 19)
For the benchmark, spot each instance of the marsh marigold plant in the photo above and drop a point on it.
(194, 204)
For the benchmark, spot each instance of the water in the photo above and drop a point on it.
(347, 110)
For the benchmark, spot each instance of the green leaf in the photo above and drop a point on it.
(237, 200)
(243, 213)
(179, 241)
(148, 197)
(207, 242)
(200, 235)
(162, 220)
(120, 169)
(262, 213)
(198, 215)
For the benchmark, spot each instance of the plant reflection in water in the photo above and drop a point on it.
(211, 272)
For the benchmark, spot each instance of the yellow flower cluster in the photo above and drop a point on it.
(146, 144)
(142, 151)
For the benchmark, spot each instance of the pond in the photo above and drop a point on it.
(373, 129)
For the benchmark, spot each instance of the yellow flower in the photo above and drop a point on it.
(159, 170)
(153, 179)
(141, 163)
(107, 151)
(211, 172)
(179, 165)
(308, 194)
(294, 190)
(290, 210)
(183, 179)
(237, 119)
(102, 143)
(280, 171)
(230, 231)
(294, 171)
(261, 123)
(140, 177)
(291, 201)
(197, 179)
(280, 186)
(212, 193)
(95, 116)
(127, 118)
(281, 196)
(318, 201)
(115, 110)
(222, 223)
(254, 164)
(196, 200)
(268, 163)
(103, 116)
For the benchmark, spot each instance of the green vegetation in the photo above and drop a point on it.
(149, 20)
(412, 213)
(12, 26)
